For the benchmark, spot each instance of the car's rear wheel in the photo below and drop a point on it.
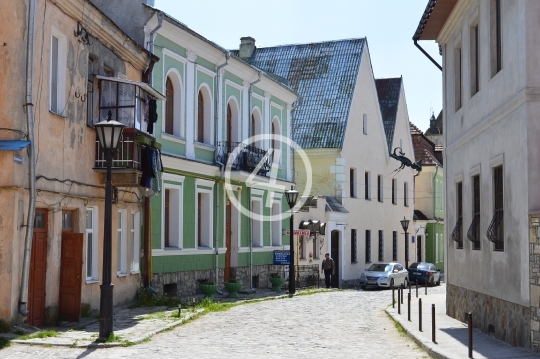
(406, 283)
(439, 281)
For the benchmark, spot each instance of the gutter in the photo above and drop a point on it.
(23, 296)
(216, 192)
(427, 55)
(249, 225)
(425, 17)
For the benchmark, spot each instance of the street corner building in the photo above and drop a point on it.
(490, 130)
(226, 169)
(68, 67)
(348, 123)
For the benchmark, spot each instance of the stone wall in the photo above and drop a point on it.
(505, 320)
(534, 280)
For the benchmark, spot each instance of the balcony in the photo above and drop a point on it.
(247, 157)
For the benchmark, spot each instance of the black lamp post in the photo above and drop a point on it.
(405, 225)
(109, 133)
(292, 197)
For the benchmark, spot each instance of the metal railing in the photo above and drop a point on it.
(244, 157)
(129, 152)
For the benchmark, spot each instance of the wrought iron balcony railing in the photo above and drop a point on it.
(247, 157)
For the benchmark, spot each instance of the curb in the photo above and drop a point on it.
(428, 347)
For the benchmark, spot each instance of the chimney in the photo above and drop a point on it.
(247, 46)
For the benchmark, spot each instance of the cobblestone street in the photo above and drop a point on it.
(340, 324)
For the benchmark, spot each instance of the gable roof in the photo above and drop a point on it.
(324, 75)
(388, 91)
(424, 149)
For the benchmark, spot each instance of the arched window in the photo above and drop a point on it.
(252, 125)
(256, 127)
(229, 124)
(273, 133)
(169, 110)
(276, 140)
(200, 120)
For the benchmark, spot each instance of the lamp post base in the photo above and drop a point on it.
(106, 311)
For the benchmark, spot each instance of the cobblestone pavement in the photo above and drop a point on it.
(342, 324)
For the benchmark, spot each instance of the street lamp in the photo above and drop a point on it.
(405, 225)
(292, 197)
(109, 133)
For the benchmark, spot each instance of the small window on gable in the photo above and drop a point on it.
(58, 66)
(365, 124)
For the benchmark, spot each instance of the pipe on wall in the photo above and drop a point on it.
(427, 55)
(23, 297)
(216, 192)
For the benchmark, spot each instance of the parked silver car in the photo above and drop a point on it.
(384, 275)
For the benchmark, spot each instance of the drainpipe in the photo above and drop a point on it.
(434, 184)
(23, 297)
(427, 55)
(296, 103)
(147, 208)
(216, 192)
(249, 226)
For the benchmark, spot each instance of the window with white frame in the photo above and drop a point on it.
(352, 182)
(204, 213)
(256, 222)
(380, 188)
(394, 190)
(91, 238)
(172, 212)
(276, 223)
(367, 185)
(204, 116)
(57, 72)
(135, 239)
(173, 122)
(121, 242)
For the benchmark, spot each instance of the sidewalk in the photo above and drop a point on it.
(132, 326)
(451, 335)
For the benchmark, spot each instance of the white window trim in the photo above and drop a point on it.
(121, 268)
(234, 85)
(179, 186)
(259, 201)
(62, 65)
(210, 192)
(136, 242)
(395, 191)
(210, 119)
(179, 100)
(406, 194)
(95, 246)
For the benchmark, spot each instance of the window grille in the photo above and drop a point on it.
(473, 234)
(353, 246)
(368, 246)
(495, 231)
(394, 246)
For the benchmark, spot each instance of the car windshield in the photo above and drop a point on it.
(421, 266)
(380, 267)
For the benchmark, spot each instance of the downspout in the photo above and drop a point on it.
(147, 208)
(434, 184)
(426, 54)
(23, 297)
(249, 226)
(296, 103)
(222, 166)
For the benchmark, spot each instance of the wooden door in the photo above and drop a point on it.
(419, 249)
(228, 240)
(335, 256)
(38, 271)
(70, 277)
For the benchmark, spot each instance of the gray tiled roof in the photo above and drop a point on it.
(324, 75)
(388, 91)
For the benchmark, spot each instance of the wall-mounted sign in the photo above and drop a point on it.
(299, 232)
(282, 257)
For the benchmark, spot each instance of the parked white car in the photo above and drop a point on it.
(386, 275)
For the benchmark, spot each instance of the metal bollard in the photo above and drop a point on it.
(469, 323)
(409, 285)
(409, 307)
(417, 288)
(399, 301)
(425, 285)
(402, 286)
(433, 323)
(393, 298)
(420, 314)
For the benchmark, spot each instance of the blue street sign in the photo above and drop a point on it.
(282, 257)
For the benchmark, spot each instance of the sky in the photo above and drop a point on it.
(388, 26)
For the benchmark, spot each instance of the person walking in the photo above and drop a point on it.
(329, 269)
